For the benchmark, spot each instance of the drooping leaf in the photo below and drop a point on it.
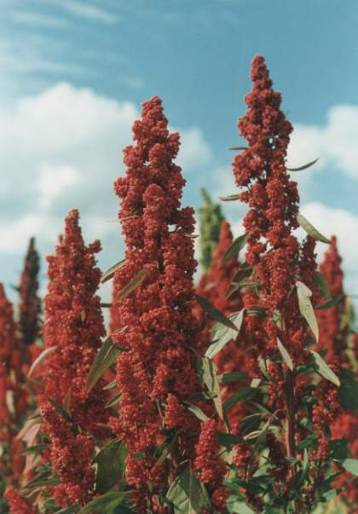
(245, 393)
(104, 360)
(351, 465)
(135, 282)
(208, 376)
(322, 285)
(230, 198)
(348, 392)
(311, 230)
(234, 376)
(188, 495)
(285, 355)
(223, 334)
(107, 275)
(107, 504)
(40, 359)
(197, 411)
(305, 166)
(306, 309)
(324, 370)
(214, 313)
(331, 303)
(110, 465)
(235, 247)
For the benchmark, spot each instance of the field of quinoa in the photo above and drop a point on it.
(228, 385)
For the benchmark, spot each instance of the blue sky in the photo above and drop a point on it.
(73, 75)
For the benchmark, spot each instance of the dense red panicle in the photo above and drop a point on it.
(333, 333)
(272, 249)
(155, 322)
(29, 301)
(17, 504)
(9, 361)
(74, 325)
(211, 469)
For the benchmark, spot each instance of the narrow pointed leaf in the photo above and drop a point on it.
(40, 359)
(324, 370)
(311, 230)
(306, 309)
(322, 285)
(305, 166)
(223, 335)
(235, 247)
(194, 409)
(285, 355)
(104, 359)
(230, 198)
(135, 282)
(214, 313)
(107, 275)
(188, 495)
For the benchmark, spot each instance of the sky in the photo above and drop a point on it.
(73, 74)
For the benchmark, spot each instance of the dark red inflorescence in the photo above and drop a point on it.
(154, 323)
(74, 417)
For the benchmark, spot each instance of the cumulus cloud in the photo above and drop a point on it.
(63, 149)
(335, 143)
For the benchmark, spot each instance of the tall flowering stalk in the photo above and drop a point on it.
(333, 331)
(154, 323)
(274, 319)
(73, 417)
(30, 304)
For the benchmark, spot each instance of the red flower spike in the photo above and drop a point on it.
(74, 324)
(29, 301)
(155, 322)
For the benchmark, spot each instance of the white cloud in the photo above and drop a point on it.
(53, 181)
(63, 149)
(90, 12)
(335, 143)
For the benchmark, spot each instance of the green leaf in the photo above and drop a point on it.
(223, 334)
(230, 198)
(214, 313)
(228, 440)
(68, 510)
(311, 230)
(331, 303)
(304, 303)
(110, 465)
(305, 166)
(104, 360)
(324, 370)
(339, 449)
(321, 283)
(105, 504)
(40, 359)
(234, 376)
(236, 506)
(285, 355)
(235, 248)
(351, 465)
(209, 378)
(348, 392)
(135, 282)
(113, 401)
(197, 411)
(107, 275)
(243, 394)
(188, 495)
